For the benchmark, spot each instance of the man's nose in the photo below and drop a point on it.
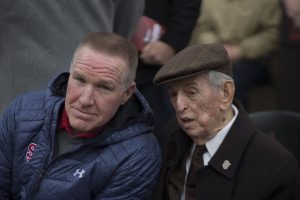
(181, 103)
(87, 96)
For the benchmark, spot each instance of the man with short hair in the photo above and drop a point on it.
(88, 136)
(213, 151)
(38, 37)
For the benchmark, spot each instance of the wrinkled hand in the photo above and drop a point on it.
(234, 52)
(157, 52)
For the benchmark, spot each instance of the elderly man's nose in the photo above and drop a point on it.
(181, 103)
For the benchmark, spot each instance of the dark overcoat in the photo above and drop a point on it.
(249, 165)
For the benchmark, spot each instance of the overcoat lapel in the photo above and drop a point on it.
(176, 160)
(216, 181)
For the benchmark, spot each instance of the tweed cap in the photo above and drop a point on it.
(193, 60)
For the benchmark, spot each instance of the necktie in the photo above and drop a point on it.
(196, 164)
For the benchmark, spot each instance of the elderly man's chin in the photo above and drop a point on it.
(198, 135)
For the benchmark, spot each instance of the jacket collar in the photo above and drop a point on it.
(229, 154)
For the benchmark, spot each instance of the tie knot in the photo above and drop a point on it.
(199, 149)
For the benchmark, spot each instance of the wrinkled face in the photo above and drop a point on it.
(95, 89)
(197, 106)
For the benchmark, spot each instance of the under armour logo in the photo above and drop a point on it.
(80, 174)
(31, 148)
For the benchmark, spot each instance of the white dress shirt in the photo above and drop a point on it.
(212, 146)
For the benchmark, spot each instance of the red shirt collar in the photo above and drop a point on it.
(64, 124)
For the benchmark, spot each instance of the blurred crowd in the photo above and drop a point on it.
(261, 37)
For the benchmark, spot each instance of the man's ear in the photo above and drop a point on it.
(129, 92)
(227, 93)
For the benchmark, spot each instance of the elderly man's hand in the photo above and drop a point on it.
(157, 52)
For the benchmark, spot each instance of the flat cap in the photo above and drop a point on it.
(193, 60)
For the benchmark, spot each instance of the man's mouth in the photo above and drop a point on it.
(186, 120)
(82, 114)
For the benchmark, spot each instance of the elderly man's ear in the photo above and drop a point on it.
(227, 94)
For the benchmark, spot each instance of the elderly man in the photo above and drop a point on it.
(88, 136)
(215, 152)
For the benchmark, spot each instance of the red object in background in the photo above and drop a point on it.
(147, 30)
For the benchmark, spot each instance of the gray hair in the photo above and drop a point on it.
(217, 78)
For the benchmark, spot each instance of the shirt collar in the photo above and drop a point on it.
(213, 144)
(64, 124)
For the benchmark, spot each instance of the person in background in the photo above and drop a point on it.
(288, 69)
(37, 38)
(212, 150)
(88, 136)
(170, 25)
(249, 32)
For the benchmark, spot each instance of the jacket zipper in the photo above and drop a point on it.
(35, 188)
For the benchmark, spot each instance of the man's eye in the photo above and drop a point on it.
(79, 79)
(103, 87)
(191, 93)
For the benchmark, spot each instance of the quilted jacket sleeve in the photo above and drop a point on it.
(6, 153)
(136, 178)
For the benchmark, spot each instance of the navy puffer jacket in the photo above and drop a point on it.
(121, 163)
